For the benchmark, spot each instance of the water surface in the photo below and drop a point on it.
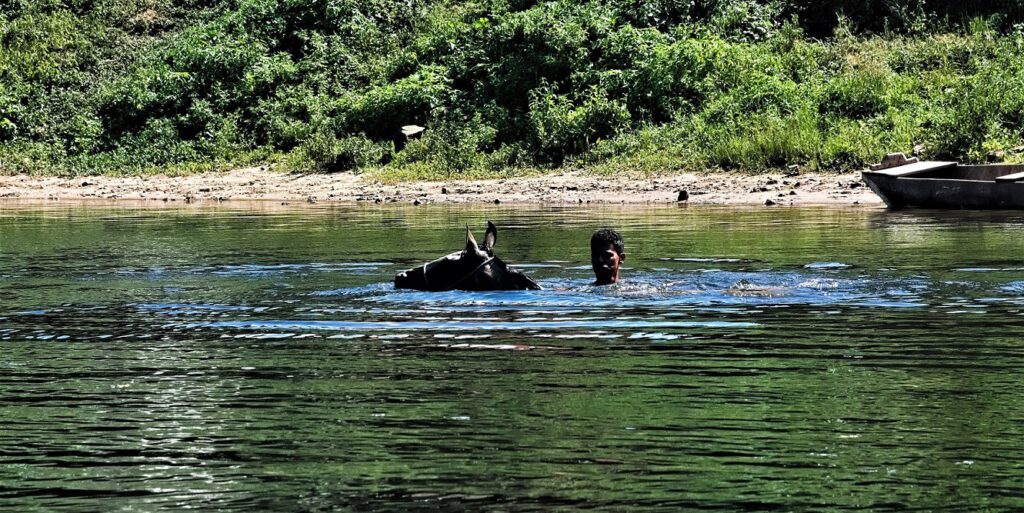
(238, 359)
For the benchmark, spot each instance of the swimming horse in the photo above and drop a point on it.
(474, 268)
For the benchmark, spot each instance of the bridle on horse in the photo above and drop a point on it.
(460, 280)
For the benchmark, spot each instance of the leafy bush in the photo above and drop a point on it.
(769, 142)
(381, 111)
(856, 95)
(971, 115)
(562, 128)
(325, 153)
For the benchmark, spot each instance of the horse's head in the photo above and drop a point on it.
(473, 268)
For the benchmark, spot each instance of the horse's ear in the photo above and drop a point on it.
(470, 241)
(491, 237)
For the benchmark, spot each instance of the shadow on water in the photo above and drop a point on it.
(815, 360)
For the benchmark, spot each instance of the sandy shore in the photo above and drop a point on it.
(258, 184)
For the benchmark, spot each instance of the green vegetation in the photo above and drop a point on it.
(504, 86)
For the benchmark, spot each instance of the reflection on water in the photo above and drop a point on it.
(797, 360)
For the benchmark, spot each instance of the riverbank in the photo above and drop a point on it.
(260, 184)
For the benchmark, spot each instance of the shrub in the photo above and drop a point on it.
(325, 153)
(290, 115)
(675, 76)
(769, 141)
(856, 95)
(381, 111)
(971, 115)
(455, 146)
(562, 128)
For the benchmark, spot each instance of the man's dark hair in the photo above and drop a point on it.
(604, 238)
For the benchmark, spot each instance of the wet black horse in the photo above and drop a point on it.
(473, 268)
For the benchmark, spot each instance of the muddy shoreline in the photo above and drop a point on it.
(259, 184)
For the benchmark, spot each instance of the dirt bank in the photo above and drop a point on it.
(564, 188)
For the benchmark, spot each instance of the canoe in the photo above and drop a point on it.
(903, 182)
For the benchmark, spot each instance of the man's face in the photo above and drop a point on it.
(606, 265)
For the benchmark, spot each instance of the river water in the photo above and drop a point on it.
(239, 359)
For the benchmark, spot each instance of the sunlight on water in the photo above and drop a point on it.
(763, 359)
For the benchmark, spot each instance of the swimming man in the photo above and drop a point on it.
(607, 252)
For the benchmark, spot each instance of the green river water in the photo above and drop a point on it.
(248, 359)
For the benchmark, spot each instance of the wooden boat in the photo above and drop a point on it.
(907, 182)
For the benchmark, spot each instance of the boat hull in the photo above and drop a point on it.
(903, 192)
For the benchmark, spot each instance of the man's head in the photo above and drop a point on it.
(606, 255)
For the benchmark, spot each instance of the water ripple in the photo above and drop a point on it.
(466, 325)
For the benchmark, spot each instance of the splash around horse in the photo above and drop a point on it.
(474, 268)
